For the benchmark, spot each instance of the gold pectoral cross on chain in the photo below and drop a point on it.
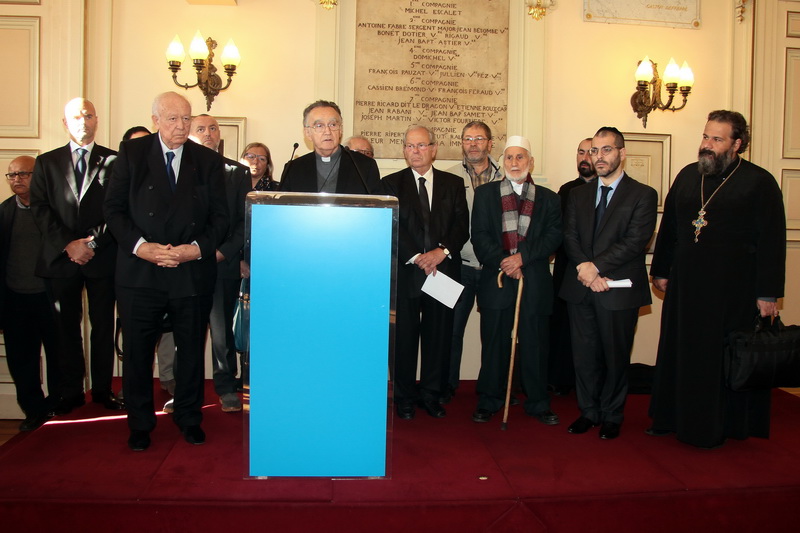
(699, 223)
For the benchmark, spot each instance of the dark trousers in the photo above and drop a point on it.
(66, 297)
(470, 277)
(531, 357)
(28, 325)
(142, 312)
(421, 319)
(601, 347)
(223, 350)
(560, 368)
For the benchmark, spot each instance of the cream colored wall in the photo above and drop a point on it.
(276, 76)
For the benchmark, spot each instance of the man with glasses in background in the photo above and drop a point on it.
(329, 168)
(607, 228)
(360, 144)
(27, 320)
(433, 227)
(476, 169)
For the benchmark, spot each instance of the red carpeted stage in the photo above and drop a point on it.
(447, 475)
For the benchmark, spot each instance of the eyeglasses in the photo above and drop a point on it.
(319, 127)
(368, 153)
(476, 140)
(11, 176)
(420, 146)
(252, 157)
(605, 150)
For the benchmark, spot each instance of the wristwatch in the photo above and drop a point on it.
(91, 244)
(444, 249)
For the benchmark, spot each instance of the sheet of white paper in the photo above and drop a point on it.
(620, 284)
(443, 288)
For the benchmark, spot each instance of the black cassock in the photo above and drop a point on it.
(713, 286)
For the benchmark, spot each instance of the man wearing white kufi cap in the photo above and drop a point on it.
(516, 227)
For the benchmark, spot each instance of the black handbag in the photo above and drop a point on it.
(241, 318)
(763, 357)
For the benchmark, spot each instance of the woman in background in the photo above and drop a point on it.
(257, 157)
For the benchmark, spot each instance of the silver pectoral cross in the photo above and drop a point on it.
(699, 223)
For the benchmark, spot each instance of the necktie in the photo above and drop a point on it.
(80, 169)
(425, 204)
(601, 206)
(171, 171)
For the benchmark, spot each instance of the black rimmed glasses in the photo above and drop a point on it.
(11, 176)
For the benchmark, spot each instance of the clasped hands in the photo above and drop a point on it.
(590, 277)
(167, 255)
(79, 252)
(512, 266)
(430, 260)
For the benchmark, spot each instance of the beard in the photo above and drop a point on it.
(585, 170)
(711, 163)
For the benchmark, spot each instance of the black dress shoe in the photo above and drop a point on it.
(139, 441)
(433, 408)
(447, 395)
(34, 421)
(653, 432)
(482, 415)
(513, 400)
(63, 405)
(109, 401)
(547, 417)
(609, 430)
(194, 435)
(581, 425)
(405, 411)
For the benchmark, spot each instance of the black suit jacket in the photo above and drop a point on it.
(237, 185)
(544, 236)
(618, 251)
(62, 217)
(300, 175)
(140, 204)
(449, 225)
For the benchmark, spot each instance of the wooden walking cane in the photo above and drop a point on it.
(504, 425)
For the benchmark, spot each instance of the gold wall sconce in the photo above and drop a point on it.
(648, 87)
(537, 9)
(202, 54)
(328, 4)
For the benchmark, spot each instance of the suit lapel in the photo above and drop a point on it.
(95, 162)
(68, 171)
(585, 212)
(412, 192)
(158, 169)
(618, 198)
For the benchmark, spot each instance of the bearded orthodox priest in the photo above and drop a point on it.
(720, 258)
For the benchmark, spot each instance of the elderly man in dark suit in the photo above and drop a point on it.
(516, 227)
(330, 167)
(166, 208)
(205, 131)
(606, 232)
(67, 192)
(434, 225)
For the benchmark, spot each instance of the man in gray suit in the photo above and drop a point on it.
(205, 130)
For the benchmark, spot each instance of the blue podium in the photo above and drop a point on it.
(321, 322)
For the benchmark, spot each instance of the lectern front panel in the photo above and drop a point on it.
(321, 270)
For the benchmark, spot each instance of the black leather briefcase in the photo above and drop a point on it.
(763, 357)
